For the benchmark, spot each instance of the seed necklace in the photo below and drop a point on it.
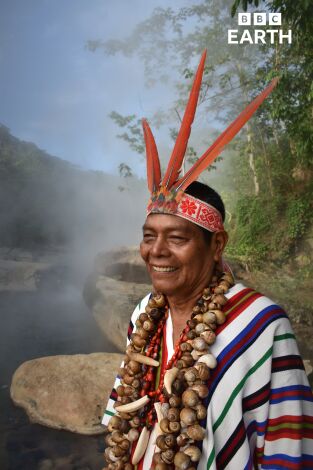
(171, 400)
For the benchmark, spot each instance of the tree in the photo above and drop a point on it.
(276, 145)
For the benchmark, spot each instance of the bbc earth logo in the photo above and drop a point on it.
(259, 36)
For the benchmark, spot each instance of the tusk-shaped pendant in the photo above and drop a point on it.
(133, 406)
(141, 446)
(157, 431)
(144, 359)
(169, 378)
(158, 410)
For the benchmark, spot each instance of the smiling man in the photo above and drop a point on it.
(181, 256)
(212, 376)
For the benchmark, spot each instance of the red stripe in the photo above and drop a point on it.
(237, 311)
(234, 299)
(288, 433)
(257, 398)
(277, 362)
(231, 446)
(140, 465)
(261, 427)
(291, 393)
(290, 419)
(259, 450)
(164, 350)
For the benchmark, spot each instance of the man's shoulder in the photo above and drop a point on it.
(246, 299)
(239, 292)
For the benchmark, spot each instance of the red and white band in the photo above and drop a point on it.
(200, 213)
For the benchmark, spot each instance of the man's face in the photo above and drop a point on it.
(176, 255)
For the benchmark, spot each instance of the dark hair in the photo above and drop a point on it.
(207, 194)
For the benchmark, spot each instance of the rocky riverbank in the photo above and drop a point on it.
(43, 314)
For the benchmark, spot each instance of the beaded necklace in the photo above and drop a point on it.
(173, 401)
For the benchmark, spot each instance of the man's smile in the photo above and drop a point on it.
(163, 269)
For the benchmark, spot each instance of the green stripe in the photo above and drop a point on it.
(285, 336)
(291, 426)
(240, 386)
(211, 458)
(109, 413)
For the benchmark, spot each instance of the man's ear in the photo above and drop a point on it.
(220, 240)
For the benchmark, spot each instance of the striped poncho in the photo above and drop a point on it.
(260, 406)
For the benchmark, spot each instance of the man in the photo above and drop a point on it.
(212, 376)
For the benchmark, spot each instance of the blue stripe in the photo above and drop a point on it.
(299, 397)
(290, 388)
(288, 458)
(249, 327)
(279, 314)
(253, 427)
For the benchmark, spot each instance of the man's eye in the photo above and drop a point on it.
(148, 236)
(177, 239)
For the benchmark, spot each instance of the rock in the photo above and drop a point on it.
(308, 366)
(20, 275)
(46, 464)
(113, 290)
(66, 392)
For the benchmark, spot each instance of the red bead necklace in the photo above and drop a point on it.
(149, 378)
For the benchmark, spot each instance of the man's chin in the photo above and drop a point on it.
(164, 287)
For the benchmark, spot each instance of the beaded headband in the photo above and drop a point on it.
(168, 196)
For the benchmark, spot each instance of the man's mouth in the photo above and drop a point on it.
(163, 269)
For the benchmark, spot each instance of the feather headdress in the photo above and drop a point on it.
(168, 196)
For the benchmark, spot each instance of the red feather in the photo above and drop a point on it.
(153, 162)
(216, 148)
(180, 146)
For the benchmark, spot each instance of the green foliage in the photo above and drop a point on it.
(125, 170)
(293, 100)
(254, 221)
(133, 134)
(298, 217)
(299, 13)
(269, 228)
(268, 187)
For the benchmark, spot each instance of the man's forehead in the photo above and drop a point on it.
(169, 222)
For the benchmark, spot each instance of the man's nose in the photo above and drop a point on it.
(159, 247)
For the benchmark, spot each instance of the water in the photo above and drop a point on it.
(53, 320)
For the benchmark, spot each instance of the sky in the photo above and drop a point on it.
(58, 94)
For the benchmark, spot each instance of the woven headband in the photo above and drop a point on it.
(189, 208)
(168, 196)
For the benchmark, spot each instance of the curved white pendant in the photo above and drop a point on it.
(141, 446)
